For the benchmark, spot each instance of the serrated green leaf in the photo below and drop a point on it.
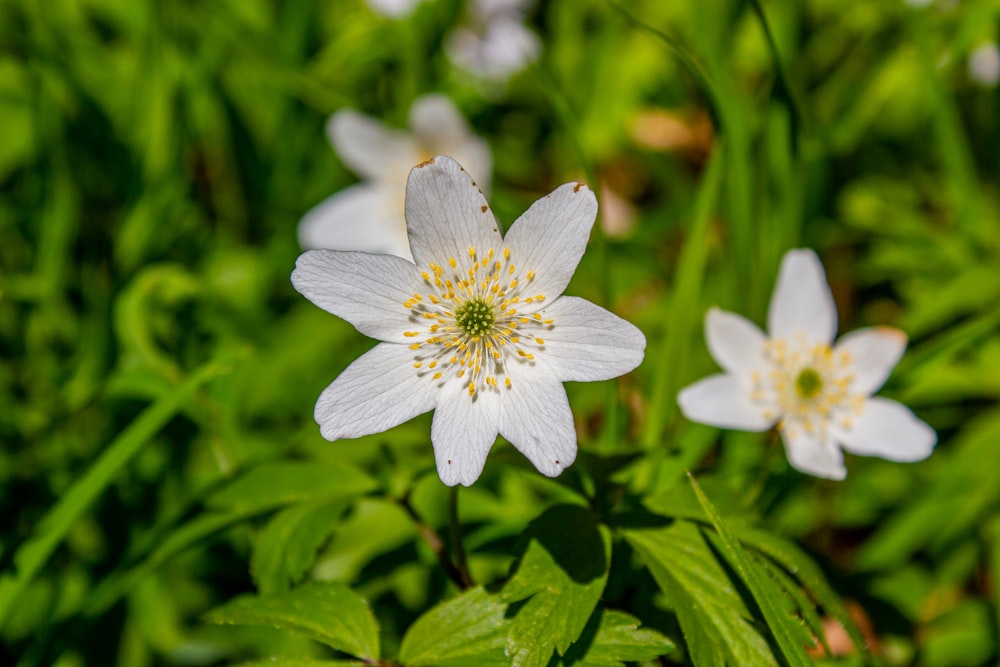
(280, 662)
(272, 485)
(468, 630)
(615, 637)
(795, 561)
(775, 608)
(713, 617)
(286, 547)
(561, 575)
(330, 613)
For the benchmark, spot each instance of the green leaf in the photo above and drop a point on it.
(785, 627)
(330, 613)
(279, 662)
(713, 617)
(794, 560)
(561, 575)
(468, 630)
(287, 546)
(616, 637)
(276, 484)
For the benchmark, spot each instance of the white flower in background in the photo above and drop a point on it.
(395, 9)
(984, 64)
(818, 395)
(476, 330)
(494, 42)
(369, 216)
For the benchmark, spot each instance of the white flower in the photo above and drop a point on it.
(369, 216)
(984, 64)
(494, 43)
(395, 9)
(476, 330)
(820, 397)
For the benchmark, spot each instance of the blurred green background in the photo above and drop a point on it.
(156, 157)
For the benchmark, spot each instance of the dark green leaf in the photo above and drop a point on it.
(713, 617)
(616, 637)
(330, 613)
(560, 576)
(467, 630)
(773, 605)
(273, 485)
(286, 547)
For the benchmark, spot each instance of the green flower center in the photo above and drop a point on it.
(808, 384)
(475, 317)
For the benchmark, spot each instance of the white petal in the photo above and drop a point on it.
(550, 237)
(370, 148)
(536, 418)
(722, 400)
(446, 214)
(393, 8)
(495, 52)
(441, 130)
(376, 392)
(874, 352)
(586, 343)
(366, 290)
(806, 452)
(363, 217)
(436, 121)
(890, 430)
(736, 343)
(802, 301)
(463, 431)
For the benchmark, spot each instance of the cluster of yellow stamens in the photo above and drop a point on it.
(476, 316)
(809, 387)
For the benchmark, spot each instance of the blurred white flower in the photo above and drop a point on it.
(494, 42)
(369, 216)
(476, 330)
(395, 9)
(820, 397)
(984, 64)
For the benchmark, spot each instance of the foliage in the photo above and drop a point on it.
(167, 499)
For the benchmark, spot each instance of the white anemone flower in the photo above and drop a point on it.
(369, 216)
(819, 394)
(395, 9)
(475, 328)
(494, 43)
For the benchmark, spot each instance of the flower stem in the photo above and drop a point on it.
(436, 544)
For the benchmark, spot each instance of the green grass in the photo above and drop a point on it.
(159, 371)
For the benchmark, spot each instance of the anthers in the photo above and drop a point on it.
(475, 319)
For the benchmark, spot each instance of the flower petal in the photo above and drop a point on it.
(366, 290)
(446, 214)
(813, 456)
(376, 392)
(536, 418)
(440, 129)
(874, 352)
(370, 148)
(362, 217)
(722, 400)
(586, 343)
(550, 237)
(736, 343)
(463, 431)
(395, 9)
(890, 430)
(802, 301)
